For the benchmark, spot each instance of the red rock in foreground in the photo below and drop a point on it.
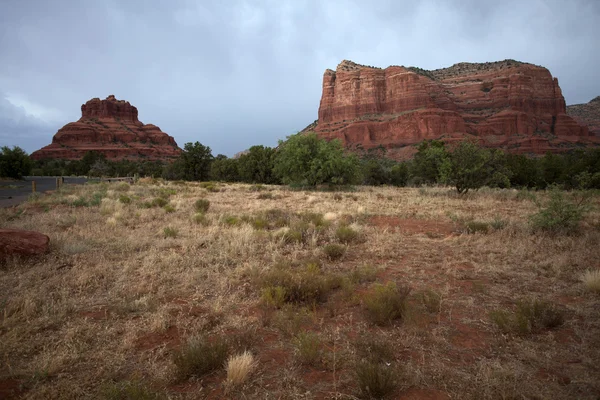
(24, 243)
(587, 114)
(110, 127)
(507, 104)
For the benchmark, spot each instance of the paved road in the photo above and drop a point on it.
(16, 192)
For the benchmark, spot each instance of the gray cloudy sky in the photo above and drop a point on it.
(234, 73)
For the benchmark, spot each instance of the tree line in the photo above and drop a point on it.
(308, 160)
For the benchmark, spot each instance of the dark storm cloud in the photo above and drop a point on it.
(237, 73)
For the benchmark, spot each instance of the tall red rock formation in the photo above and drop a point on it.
(110, 127)
(506, 104)
(587, 114)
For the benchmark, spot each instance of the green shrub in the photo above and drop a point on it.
(122, 187)
(128, 390)
(308, 348)
(307, 284)
(169, 209)
(200, 218)
(200, 356)
(230, 220)
(432, 300)
(292, 236)
(169, 232)
(334, 251)
(363, 273)
(559, 215)
(159, 202)
(265, 196)
(477, 227)
(530, 316)
(146, 204)
(386, 303)
(202, 205)
(345, 234)
(80, 202)
(498, 224)
(375, 380)
(125, 199)
(259, 223)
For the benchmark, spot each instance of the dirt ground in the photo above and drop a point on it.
(131, 280)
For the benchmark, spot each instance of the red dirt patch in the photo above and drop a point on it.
(170, 338)
(10, 388)
(411, 226)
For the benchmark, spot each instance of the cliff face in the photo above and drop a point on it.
(587, 114)
(506, 104)
(110, 127)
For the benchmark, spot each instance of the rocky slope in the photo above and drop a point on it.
(112, 128)
(506, 104)
(587, 114)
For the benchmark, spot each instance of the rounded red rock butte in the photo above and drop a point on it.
(110, 127)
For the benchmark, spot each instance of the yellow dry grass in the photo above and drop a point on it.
(115, 297)
(239, 368)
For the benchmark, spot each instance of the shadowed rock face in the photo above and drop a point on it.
(507, 104)
(110, 127)
(587, 114)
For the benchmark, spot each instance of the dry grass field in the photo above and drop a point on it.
(166, 290)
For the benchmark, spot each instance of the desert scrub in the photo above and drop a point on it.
(559, 215)
(265, 196)
(374, 368)
(122, 187)
(345, 234)
(334, 251)
(530, 316)
(363, 273)
(200, 219)
(125, 199)
(477, 227)
(202, 205)
(129, 390)
(308, 348)
(230, 220)
(431, 300)
(159, 202)
(200, 356)
(239, 368)
(591, 280)
(169, 209)
(169, 232)
(304, 284)
(386, 303)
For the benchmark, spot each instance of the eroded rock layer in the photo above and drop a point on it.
(587, 114)
(110, 127)
(507, 104)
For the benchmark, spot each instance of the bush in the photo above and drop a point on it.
(159, 202)
(200, 356)
(477, 227)
(307, 284)
(375, 380)
(345, 234)
(14, 163)
(169, 209)
(128, 390)
(432, 300)
(308, 348)
(386, 303)
(334, 251)
(530, 316)
(265, 196)
(363, 273)
(559, 215)
(202, 205)
(200, 218)
(169, 232)
(125, 199)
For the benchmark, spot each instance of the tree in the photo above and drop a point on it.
(429, 162)
(224, 169)
(14, 163)
(256, 165)
(306, 159)
(470, 167)
(194, 162)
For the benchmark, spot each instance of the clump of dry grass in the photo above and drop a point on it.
(200, 356)
(591, 280)
(239, 368)
(530, 316)
(386, 303)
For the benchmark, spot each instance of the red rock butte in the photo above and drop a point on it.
(110, 127)
(507, 104)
